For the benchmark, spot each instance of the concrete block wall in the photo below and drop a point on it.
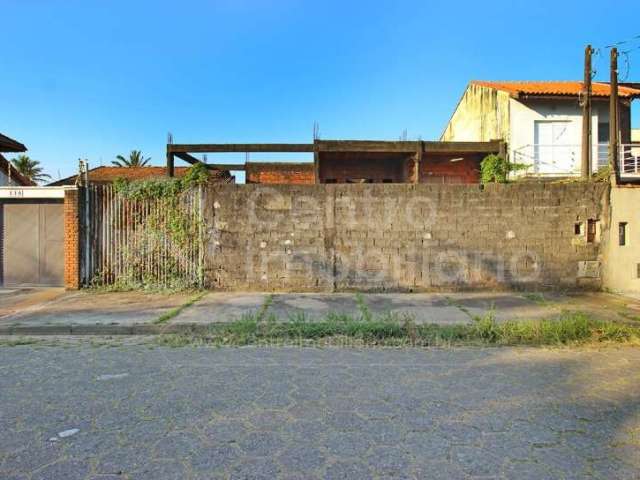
(401, 237)
(71, 240)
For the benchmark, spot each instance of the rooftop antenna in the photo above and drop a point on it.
(169, 138)
(403, 137)
(316, 131)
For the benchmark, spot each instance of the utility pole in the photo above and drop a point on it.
(613, 117)
(586, 116)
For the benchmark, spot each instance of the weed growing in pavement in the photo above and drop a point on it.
(174, 312)
(535, 297)
(363, 308)
(394, 330)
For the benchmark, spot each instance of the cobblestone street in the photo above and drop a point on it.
(134, 412)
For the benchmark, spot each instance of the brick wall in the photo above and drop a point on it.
(401, 237)
(440, 169)
(342, 167)
(280, 173)
(346, 167)
(71, 240)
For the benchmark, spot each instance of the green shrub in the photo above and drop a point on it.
(495, 169)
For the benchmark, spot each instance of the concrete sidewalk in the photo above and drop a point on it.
(450, 308)
(53, 311)
(57, 311)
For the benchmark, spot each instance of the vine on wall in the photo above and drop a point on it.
(159, 230)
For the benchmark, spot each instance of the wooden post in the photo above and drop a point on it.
(586, 116)
(170, 169)
(613, 117)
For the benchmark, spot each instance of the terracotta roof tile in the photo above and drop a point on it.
(599, 89)
(108, 174)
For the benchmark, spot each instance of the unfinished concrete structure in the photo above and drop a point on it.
(353, 161)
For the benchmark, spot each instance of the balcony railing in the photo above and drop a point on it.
(629, 163)
(565, 160)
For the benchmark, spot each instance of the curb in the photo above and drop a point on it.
(139, 329)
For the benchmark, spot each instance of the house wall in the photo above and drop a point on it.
(621, 263)
(625, 123)
(486, 114)
(6, 182)
(401, 237)
(524, 114)
(280, 173)
(481, 115)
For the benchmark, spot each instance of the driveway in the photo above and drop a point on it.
(85, 412)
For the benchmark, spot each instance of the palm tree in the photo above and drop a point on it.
(136, 159)
(29, 168)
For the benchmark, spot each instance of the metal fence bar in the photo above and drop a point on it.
(131, 241)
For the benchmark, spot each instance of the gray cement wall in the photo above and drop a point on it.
(400, 237)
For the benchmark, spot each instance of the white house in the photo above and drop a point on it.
(540, 121)
(9, 176)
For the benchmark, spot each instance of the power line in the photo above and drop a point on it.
(631, 49)
(627, 66)
(624, 53)
(622, 42)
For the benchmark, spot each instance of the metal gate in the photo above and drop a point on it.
(33, 244)
(133, 242)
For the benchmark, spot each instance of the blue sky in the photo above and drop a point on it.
(93, 79)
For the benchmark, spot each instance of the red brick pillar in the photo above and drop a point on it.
(71, 240)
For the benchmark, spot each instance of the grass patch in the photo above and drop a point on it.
(535, 297)
(629, 316)
(174, 312)
(574, 328)
(15, 342)
(394, 330)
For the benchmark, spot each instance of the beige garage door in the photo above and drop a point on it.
(33, 244)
